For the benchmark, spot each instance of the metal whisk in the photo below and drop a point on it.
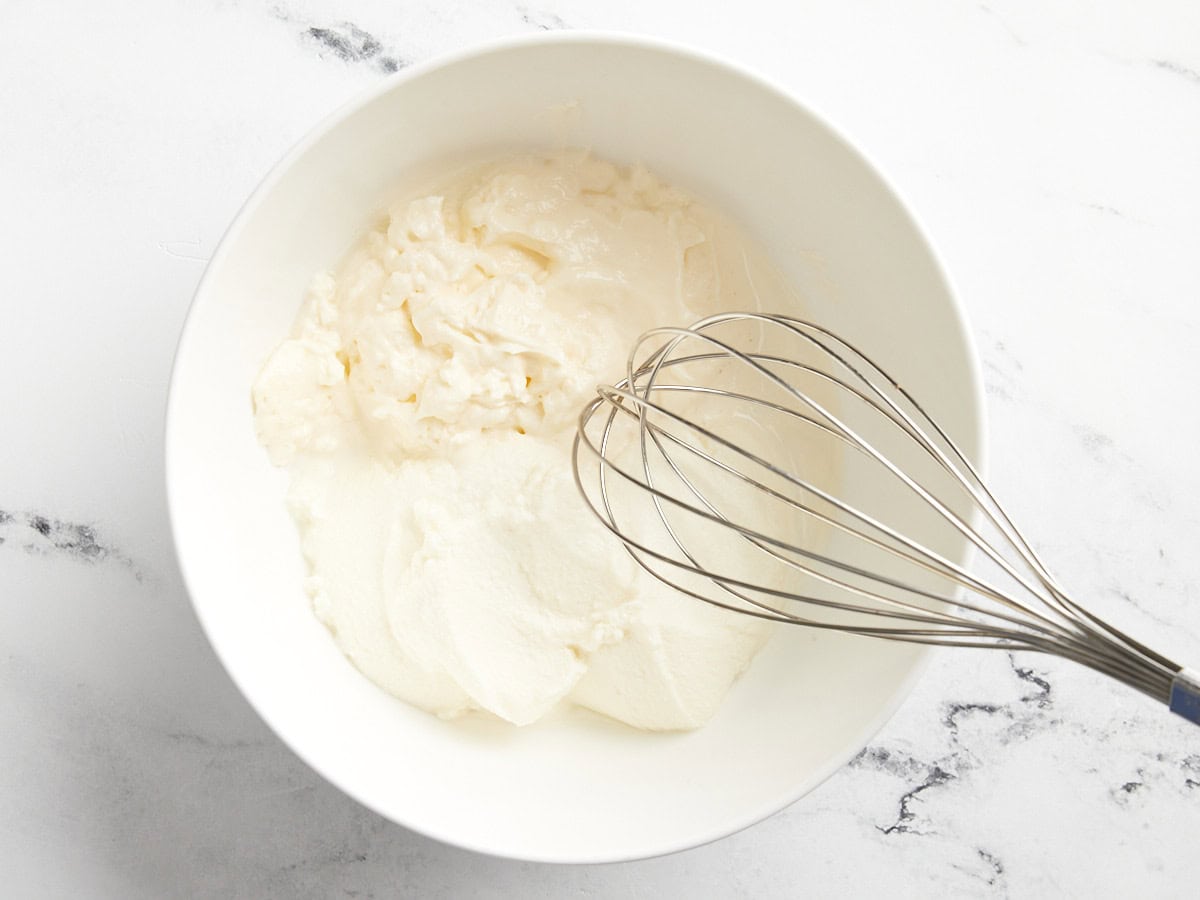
(711, 461)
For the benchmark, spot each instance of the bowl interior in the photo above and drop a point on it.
(576, 788)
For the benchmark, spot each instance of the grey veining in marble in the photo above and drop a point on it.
(1050, 151)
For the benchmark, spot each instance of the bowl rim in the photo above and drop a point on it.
(332, 120)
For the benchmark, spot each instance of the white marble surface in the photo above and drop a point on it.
(1053, 150)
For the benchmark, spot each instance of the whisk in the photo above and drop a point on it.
(710, 461)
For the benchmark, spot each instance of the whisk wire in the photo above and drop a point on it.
(670, 442)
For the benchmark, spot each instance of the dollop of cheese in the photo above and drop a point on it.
(425, 405)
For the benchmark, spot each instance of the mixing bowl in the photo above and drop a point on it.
(575, 788)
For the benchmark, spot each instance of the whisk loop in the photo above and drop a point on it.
(763, 464)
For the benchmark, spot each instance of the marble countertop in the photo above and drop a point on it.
(1053, 152)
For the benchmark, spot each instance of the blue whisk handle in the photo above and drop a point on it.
(1185, 695)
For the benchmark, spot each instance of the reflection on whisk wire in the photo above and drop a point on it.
(671, 438)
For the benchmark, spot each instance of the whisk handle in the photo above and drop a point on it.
(1185, 695)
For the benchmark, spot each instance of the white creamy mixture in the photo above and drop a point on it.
(424, 406)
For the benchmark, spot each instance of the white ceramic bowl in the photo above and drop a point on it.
(579, 788)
